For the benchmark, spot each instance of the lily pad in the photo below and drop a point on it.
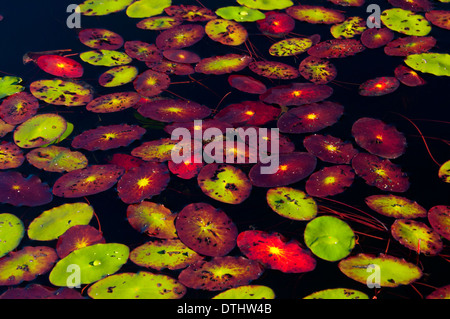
(226, 32)
(141, 285)
(105, 58)
(156, 150)
(395, 206)
(143, 51)
(274, 70)
(164, 254)
(266, 4)
(113, 102)
(290, 47)
(100, 39)
(247, 292)
(9, 85)
(56, 159)
(206, 230)
(62, 92)
(117, 76)
(291, 203)
(337, 293)
(147, 8)
(329, 238)
(158, 23)
(220, 273)
(330, 181)
(434, 63)
(18, 108)
(224, 183)
(336, 48)
(223, 64)
(349, 28)
(54, 222)
(315, 14)
(417, 236)
(153, 219)
(191, 13)
(11, 156)
(60, 66)
(240, 14)
(405, 22)
(103, 7)
(11, 233)
(150, 83)
(317, 70)
(76, 237)
(393, 271)
(180, 36)
(329, 148)
(26, 264)
(95, 262)
(439, 218)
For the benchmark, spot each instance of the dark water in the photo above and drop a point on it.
(41, 25)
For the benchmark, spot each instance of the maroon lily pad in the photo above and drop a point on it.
(276, 24)
(274, 70)
(247, 84)
(275, 252)
(174, 110)
(373, 38)
(91, 180)
(379, 86)
(191, 13)
(409, 45)
(36, 291)
(125, 161)
(317, 70)
(150, 83)
(439, 218)
(181, 56)
(113, 102)
(296, 94)
(381, 173)
(293, 167)
(412, 5)
(336, 48)
(196, 129)
(77, 237)
(100, 39)
(220, 273)
(142, 51)
(248, 113)
(330, 149)
(180, 36)
(19, 107)
(11, 156)
(379, 138)
(19, 191)
(206, 229)
(143, 182)
(408, 76)
(330, 181)
(156, 150)
(171, 67)
(310, 118)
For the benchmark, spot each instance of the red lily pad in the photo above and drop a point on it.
(56, 159)
(275, 252)
(296, 94)
(142, 51)
(174, 110)
(310, 118)
(60, 66)
(409, 45)
(379, 86)
(181, 56)
(108, 137)
(26, 264)
(150, 83)
(227, 32)
(247, 84)
(206, 229)
(395, 206)
(91, 180)
(19, 191)
(125, 161)
(190, 13)
(292, 167)
(180, 36)
(11, 156)
(224, 183)
(373, 38)
(439, 18)
(248, 113)
(113, 102)
(76, 237)
(223, 64)
(330, 181)
(19, 107)
(336, 48)
(274, 70)
(155, 220)
(277, 24)
(379, 138)
(170, 67)
(439, 218)
(220, 273)
(330, 149)
(158, 23)
(315, 14)
(101, 39)
(408, 76)
(186, 169)
(317, 70)
(143, 182)
(156, 150)
(413, 5)
(381, 173)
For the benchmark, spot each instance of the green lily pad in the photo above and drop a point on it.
(417, 236)
(39, 130)
(337, 293)
(11, 233)
(94, 262)
(247, 292)
(62, 92)
(105, 57)
(9, 85)
(141, 285)
(291, 203)
(54, 222)
(290, 47)
(434, 63)
(118, 76)
(226, 32)
(147, 8)
(266, 4)
(329, 238)
(67, 132)
(405, 22)
(103, 7)
(349, 28)
(161, 254)
(56, 159)
(26, 264)
(392, 271)
(240, 14)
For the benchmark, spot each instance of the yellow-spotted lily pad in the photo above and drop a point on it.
(62, 92)
(105, 57)
(292, 203)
